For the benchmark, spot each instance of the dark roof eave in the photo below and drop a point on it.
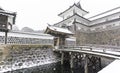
(64, 19)
(72, 16)
(82, 17)
(14, 13)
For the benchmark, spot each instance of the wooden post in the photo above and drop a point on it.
(62, 58)
(90, 49)
(71, 61)
(100, 63)
(5, 37)
(58, 43)
(86, 64)
(80, 48)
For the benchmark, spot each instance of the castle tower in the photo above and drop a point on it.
(72, 10)
(73, 18)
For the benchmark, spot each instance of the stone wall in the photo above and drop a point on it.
(24, 56)
(107, 37)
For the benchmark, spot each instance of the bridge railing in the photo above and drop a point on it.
(105, 47)
(97, 48)
(78, 47)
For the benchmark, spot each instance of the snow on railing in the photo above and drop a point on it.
(98, 48)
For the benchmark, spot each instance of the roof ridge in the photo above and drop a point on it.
(77, 5)
(104, 12)
(1, 8)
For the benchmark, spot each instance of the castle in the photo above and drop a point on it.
(74, 19)
(9, 36)
(99, 29)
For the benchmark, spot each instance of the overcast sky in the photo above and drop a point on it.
(37, 13)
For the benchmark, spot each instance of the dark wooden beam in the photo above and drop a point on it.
(6, 35)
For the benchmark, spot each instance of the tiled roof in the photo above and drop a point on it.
(7, 13)
(1, 9)
(27, 35)
(103, 23)
(60, 30)
(77, 5)
(106, 13)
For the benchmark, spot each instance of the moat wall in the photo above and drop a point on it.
(15, 57)
(25, 56)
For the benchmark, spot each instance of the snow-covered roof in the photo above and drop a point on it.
(28, 35)
(8, 13)
(78, 6)
(1, 8)
(114, 67)
(106, 13)
(60, 30)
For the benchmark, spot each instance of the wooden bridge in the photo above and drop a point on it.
(107, 51)
(90, 54)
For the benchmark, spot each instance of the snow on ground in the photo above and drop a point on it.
(114, 67)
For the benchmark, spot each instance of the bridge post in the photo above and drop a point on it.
(80, 48)
(100, 63)
(62, 58)
(6, 36)
(71, 60)
(86, 64)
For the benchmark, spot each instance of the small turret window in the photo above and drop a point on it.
(64, 26)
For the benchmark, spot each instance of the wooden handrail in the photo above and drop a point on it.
(93, 48)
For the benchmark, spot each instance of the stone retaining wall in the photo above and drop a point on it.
(25, 56)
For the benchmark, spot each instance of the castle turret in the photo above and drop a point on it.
(75, 8)
(73, 18)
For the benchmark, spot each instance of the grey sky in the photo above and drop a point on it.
(37, 13)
